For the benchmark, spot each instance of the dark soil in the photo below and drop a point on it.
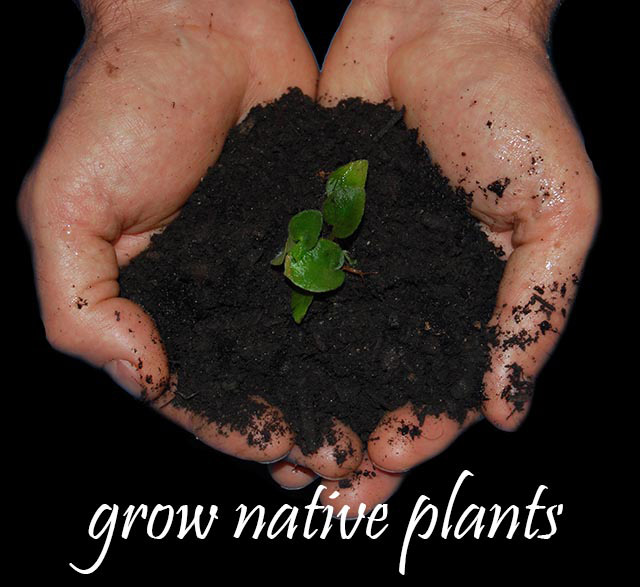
(415, 331)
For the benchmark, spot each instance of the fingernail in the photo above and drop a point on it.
(125, 375)
(394, 471)
(270, 462)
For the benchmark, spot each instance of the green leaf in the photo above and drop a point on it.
(304, 231)
(300, 303)
(344, 207)
(317, 270)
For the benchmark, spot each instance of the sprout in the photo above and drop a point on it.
(316, 264)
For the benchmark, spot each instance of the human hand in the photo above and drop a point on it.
(476, 81)
(146, 107)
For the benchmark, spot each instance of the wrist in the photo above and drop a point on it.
(521, 20)
(105, 16)
(100, 14)
(526, 22)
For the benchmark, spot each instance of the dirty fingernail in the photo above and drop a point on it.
(271, 461)
(125, 375)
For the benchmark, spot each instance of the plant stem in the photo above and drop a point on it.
(355, 271)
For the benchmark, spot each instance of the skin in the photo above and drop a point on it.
(157, 85)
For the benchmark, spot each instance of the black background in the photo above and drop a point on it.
(77, 441)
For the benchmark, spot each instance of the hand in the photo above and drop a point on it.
(147, 105)
(476, 81)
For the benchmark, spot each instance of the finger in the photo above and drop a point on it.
(366, 485)
(336, 458)
(265, 438)
(290, 476)
(401, 442)
(532, 308)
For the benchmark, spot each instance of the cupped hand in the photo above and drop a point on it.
(476, 81)
(146, 108)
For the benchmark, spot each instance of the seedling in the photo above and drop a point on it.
(315, 264)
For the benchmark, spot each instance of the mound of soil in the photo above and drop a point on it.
(415, 331)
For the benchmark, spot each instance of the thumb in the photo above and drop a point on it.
(76, 274)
